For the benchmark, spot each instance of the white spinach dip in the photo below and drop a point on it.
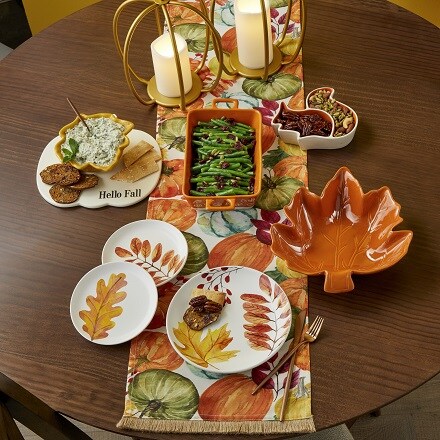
(98, 147)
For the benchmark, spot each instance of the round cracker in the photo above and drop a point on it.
(60, 173)
(64, 194)
(87, 181)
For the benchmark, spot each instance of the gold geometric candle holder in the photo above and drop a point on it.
(157, 96)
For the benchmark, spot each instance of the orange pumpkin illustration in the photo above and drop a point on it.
(171, 179)
(295, 12)
(302, 358)
(183, 15)
(292, 166)
(297, 101)
(242, 249)
(230, 398)
(169, 113)
(229, 40)
(296, 69)
(153, 350)
(165, 295)
(175, 211)
(267, 137)
(296, 291)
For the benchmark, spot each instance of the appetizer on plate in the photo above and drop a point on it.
(205, 307)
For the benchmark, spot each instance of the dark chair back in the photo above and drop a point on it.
(16, 403)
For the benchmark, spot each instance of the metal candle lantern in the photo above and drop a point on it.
(190, 86)
(253, 18)
(181, 98)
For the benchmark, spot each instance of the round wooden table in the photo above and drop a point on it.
(379, 342)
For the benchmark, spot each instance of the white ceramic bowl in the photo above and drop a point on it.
(316, 142)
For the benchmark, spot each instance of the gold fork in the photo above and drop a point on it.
(309, 336)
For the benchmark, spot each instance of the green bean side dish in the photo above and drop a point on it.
(222, 158)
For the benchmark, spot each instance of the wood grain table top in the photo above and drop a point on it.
(379, 342)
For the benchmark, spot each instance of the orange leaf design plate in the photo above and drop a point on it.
(113, 303)
(252, 327)
(341, 232)
(156, 246)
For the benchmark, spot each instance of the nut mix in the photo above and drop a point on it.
(343, 116)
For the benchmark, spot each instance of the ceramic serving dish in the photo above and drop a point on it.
(246, 116)
(252, 327)
(89, 166)
(340, 233)
(321, 102)
(108, 192)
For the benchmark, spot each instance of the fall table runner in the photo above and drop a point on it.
(164, 393)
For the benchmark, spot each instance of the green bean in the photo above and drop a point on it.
(237, 154)
(231, 192)
(208, 189)
(247, 127)
(202, 179)
(222, 163)
(226, 173)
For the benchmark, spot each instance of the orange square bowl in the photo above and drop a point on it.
(246, 116)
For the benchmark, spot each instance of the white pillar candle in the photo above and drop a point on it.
(165, 70)
(250, 33)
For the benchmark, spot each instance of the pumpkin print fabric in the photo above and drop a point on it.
(162, 393)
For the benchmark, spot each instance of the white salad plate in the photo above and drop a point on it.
(252, 327)
(124, 298)
(156, 246)
(107, 192)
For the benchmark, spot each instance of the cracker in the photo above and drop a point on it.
(137, 170)
(213, 295)
(151, 155)
(134, 153)
(64, 194)
(85, 182)
(61, 173)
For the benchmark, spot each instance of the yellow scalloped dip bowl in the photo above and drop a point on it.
(90, 166)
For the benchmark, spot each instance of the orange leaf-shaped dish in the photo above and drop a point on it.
(341, 232)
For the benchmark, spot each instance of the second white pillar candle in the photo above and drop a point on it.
(165, 70)
(250, 33)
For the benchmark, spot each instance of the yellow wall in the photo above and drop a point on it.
(42, 13)
(427, 9)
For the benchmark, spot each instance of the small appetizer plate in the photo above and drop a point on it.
(340, 233)
(252, 327)
(156, 246)
(107, 192)
(113, 303)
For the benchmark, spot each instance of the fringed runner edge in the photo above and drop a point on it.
(200, 426)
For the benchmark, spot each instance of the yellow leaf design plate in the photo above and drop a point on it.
(252, 327)
(113, 303)
(156, 246)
